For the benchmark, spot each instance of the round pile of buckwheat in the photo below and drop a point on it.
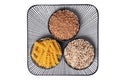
(79, 54)
(63, 24)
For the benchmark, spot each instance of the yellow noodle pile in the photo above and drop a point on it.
(46, 53)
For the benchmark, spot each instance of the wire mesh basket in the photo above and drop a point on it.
(37, 27)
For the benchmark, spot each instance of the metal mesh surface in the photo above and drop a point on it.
(37, 27)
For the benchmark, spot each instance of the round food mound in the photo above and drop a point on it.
(79, 54)
(63, 24)
(46, 53)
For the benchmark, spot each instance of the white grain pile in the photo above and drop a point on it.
(79, 53)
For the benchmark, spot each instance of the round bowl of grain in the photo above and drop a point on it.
(79, 54)
(46, 53)
(63, 24)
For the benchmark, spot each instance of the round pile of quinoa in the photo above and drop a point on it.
(63, 24)
(79, 53)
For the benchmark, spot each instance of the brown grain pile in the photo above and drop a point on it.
(79, 54)
(63, 24)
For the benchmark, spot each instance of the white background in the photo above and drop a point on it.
(13, 40)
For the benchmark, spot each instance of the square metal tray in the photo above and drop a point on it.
(37, 27)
